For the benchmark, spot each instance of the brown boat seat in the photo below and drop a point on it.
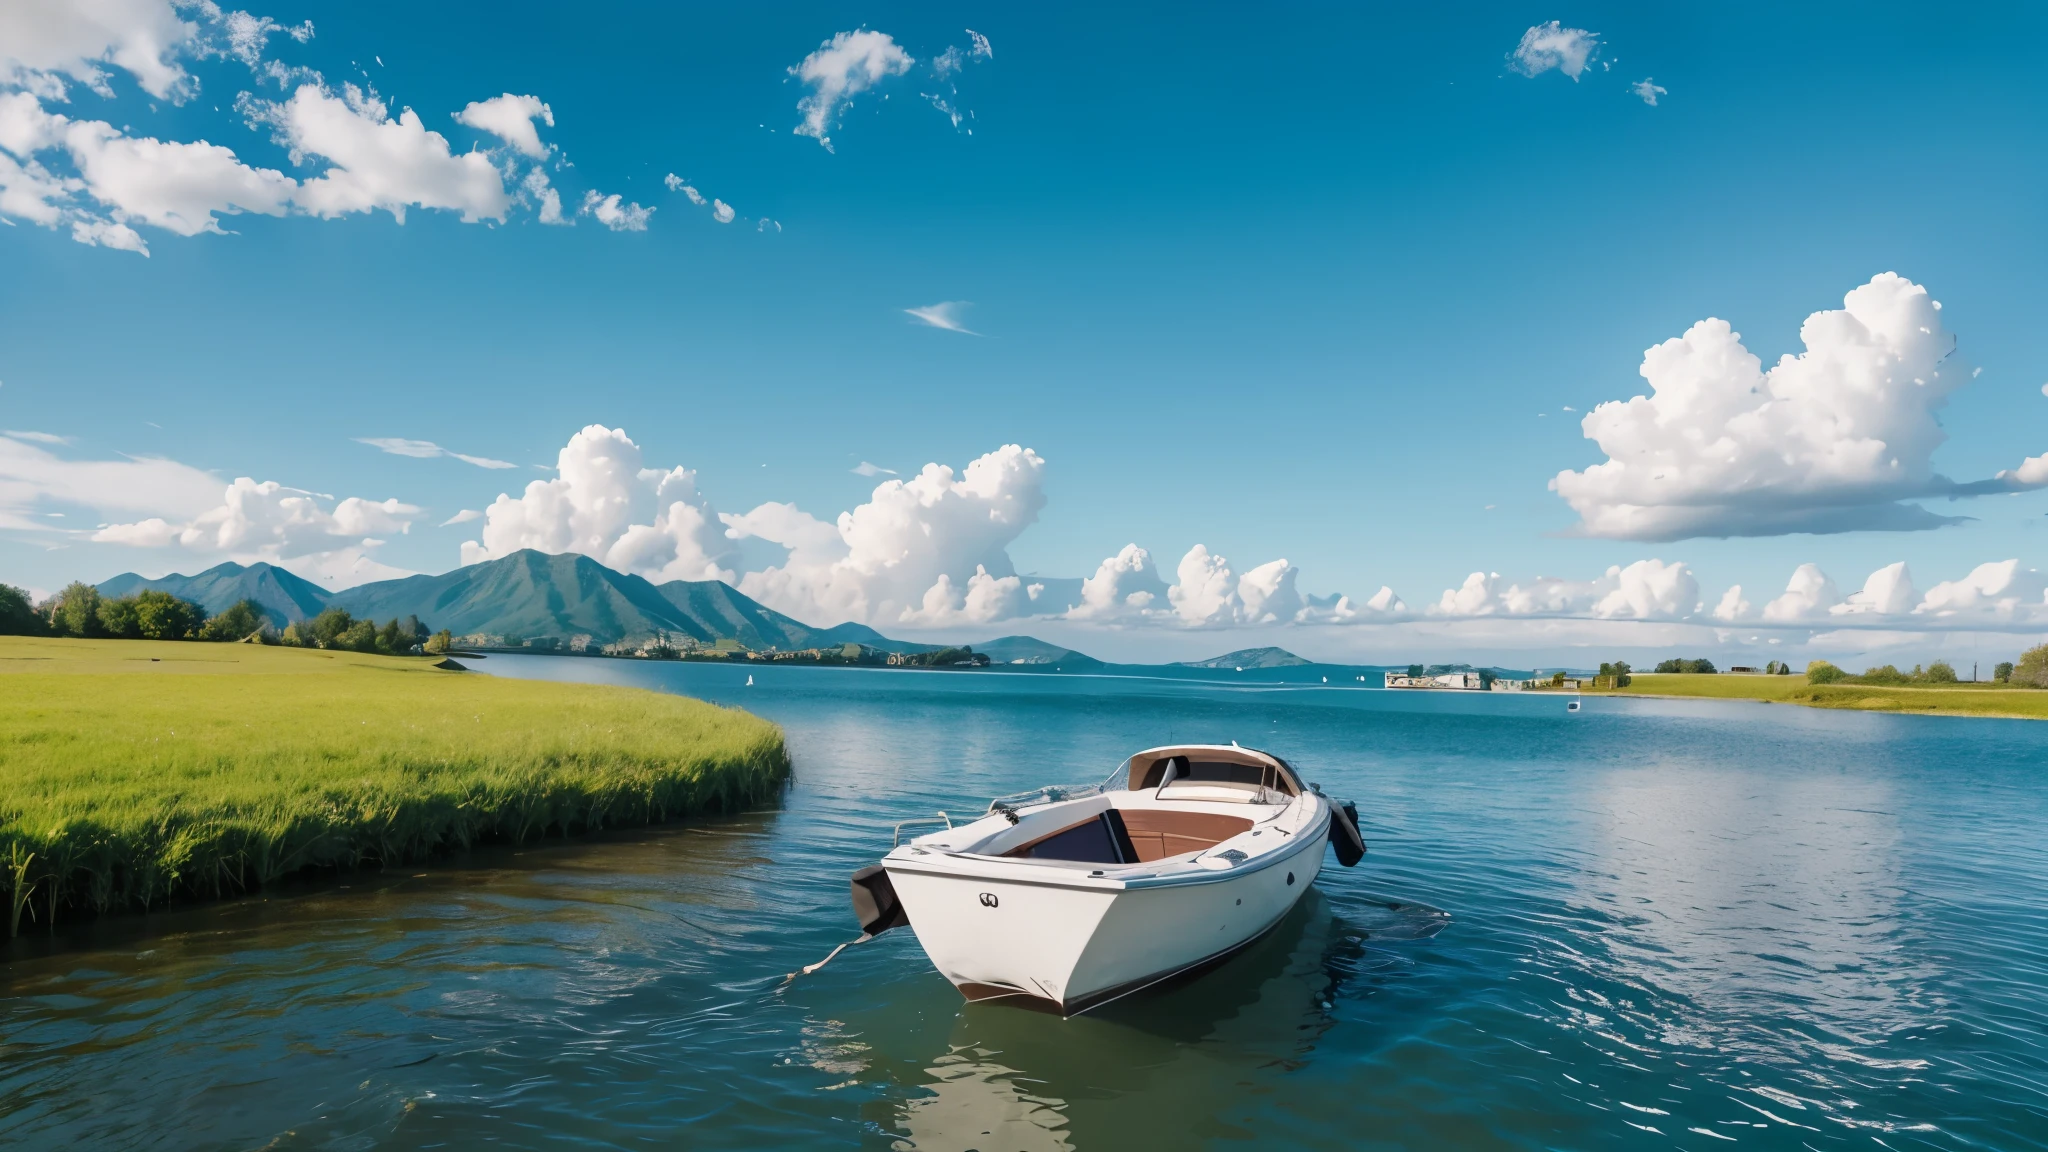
(1128, 835)
(1157, 833)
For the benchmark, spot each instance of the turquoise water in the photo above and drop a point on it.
(1654, 923)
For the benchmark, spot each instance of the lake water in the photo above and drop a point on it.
(1650, 924)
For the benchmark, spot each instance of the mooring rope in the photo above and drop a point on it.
(810, 968)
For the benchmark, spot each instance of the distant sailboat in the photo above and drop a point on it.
(750, 684)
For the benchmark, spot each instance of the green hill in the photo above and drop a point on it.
(282, 596)
(1246, 658)
(1031, 651)
(522, 596)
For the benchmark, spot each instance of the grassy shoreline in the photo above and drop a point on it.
(134, 773)
(1988, 700)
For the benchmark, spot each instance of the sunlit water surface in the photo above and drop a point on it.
(1647, 924)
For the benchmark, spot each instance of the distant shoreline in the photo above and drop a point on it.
(1980, 699)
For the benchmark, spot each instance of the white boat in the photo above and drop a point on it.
(1069, 897)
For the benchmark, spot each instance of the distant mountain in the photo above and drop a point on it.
(283, 597)
(1248, 658)
(1030, 650)
(527, 594)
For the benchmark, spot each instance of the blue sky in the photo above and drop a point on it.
(1315, 283)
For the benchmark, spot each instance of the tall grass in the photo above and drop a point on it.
(135, 773)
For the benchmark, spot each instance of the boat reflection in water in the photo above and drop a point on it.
(1016, 1079)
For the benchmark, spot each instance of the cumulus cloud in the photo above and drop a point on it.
(427, 450)
(721, 211)
(919, 552)
(41, 39)
(842, 68)
(1552, 45)
(1888, 592)
(271, 522)
(1999, 591)
(1645, 590)
(1647, 91)
(617, 216)
(945, 315)
(1835, 439)
(606, 505)
(378, 161)
(1125, 586)
(1809, 595)
(510, 118)
(179, 187)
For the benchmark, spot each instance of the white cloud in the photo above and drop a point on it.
(38, 437)
(550, 201)
(427, 450)
(678, 184)
(175, 186)
(1888, 592)
(1125, 587)
(377, 161)
(1645, 590)
(249, 36)
(616, 216)
(510, 118)
(1203, 592)
(1732, 606)
(1831, 440)
(1548, 46)
(606, 505)
(271, 522)
(842, 68)
(865, 469)
(42, 38)
(1647, 91)
(1809, 595)
(981, 45)
(1998, 591)
(916, 550)
(946, 315)
(721, 211)
(463, 517)
(1266, 594)
(32, 478)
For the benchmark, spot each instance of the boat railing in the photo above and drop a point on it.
(896, 836)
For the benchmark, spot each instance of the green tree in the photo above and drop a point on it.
(241, 620)
(2003, 672)
(1884, 674)
(329, 626)
(162, 616)
(17, 616)
(391, 641)
(76, 611)
(1822, 672)
(116, 618)
(1669, 666)
(299, 634)
(2032, 670)
(1939, 672)
(361, 636)
(440, 642)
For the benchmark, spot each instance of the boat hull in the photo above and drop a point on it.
(1068, 947)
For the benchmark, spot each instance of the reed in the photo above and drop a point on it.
(135, 773)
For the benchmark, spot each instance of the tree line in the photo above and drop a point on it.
(82, 612)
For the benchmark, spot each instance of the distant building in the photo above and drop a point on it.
(1454, 681)
(1744, 670)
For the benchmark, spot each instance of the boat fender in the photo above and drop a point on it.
(874, 901)
(1345, 837)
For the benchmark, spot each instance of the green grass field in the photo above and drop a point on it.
(133, 773)
(1948, 700)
